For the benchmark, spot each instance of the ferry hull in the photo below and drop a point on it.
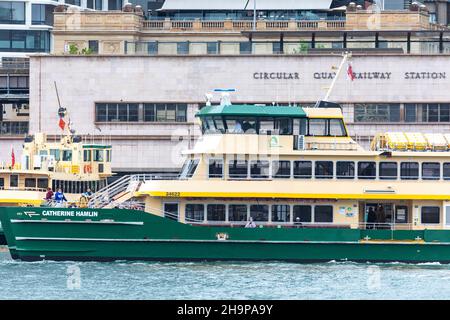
(39, 233)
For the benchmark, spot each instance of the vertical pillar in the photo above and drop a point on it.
(408, 43)
(28, 13)
(313, 40)
(281, 43)
(344, 40)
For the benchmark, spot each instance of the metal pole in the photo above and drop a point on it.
(344, 59)
(254, 15)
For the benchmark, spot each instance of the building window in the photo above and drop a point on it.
(212, 48)
(183, 47)
(24, 41)
(93, 46)
(281, 213)
(259, 169)
(324, 170)
(116, 112)
(302, 169)
(388, 170)
(430, 215)
(410, 113)
(245, 47)
(238, 169)
(237, 212)
(323, 214)
(281, 169)
(165, 112)
(446, 171)
(276, 47)
(366, 170)
(195, 212)
(42, 14)
(431, 170)
(302, 214)
(152, 47)
(259, 212)
(215, 168)
(377, 112)
(409, 170)
(215, 212)
(11, 128)
(12, 12)
(345, 170)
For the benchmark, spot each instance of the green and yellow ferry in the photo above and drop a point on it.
(262, 183)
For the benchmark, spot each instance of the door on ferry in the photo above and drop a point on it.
(171, 211)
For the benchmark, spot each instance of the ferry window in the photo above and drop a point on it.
(337, 128)
(233, 126)
(409, 170)
(302, 213)
(249, 126)
(259, 169)
(215, 168)
(303, 129)
(87, 155)
(30, 183)
(430, 215)
(220, 126)
(446, 171)
(67, 155)
(238, 169)
(345, 170)
(56, 153)
(366, 170)
(324, 170)
(195, 212)
(108, 155)
(281, 169)
(302, 169)
(189, 168)
(284, 126)
(98, 155)
(388, 170)
(2, 183)
(259, 212)
(317, 127)
(237, 212)
(323, 214)
(266, 127)
(170, 112)
(216, 212)
(14, 181)
(281, 213)
(431, 170)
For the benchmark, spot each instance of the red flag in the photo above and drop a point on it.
(62, 124)
(350, 72)
(13, 158)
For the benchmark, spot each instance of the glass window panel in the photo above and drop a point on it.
(366, 170)
(345, 169)
(388, 170)
(302, 169)
(259, 169)
(280, 213)
(317, 127)
(30, 183)
(444, 112)
(100, 112)
(446, 171)
(67, 155)
(195, 212)
(99, 155)
(122, 112)
(170, 113)
(302, 214)
(237, 212)
(259, 212)
(324, 169)
(160, 113)
(238, 169)
(337, 128)
(409, 170)
(281, 169)
(133, 112)
(216, 212)
(149, 112)
(410, 113)
(431, 170)
(430, 215)
(181, 113)
(215, 168)
(323, 214)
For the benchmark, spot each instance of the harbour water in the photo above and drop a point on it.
(221, 280)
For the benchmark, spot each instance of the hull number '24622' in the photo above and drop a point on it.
(172, 194)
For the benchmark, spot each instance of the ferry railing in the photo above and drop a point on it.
(384, 226)
(23, 189)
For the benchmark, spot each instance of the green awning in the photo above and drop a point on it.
(243, 110)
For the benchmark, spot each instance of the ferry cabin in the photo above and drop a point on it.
(288, 166)
(68, 164)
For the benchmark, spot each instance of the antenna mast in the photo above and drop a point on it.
(345, 57)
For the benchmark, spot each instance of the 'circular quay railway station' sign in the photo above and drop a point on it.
(367, 75)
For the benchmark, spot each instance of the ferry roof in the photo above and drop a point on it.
(96, 146)
(252, 111)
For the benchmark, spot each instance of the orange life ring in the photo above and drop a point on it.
(87, 168)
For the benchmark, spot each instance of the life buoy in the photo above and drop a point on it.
(87, 168)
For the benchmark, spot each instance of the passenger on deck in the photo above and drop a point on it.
(238, 127)
(49, 195)
(371, 218)
(380, 215)
(60, 198)
(88, 193)
(250, 223)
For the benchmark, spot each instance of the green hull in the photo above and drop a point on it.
(112, 234)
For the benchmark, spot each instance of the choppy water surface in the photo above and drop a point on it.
(221, 280)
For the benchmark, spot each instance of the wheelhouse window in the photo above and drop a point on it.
(56, 153)
(324, 170)
(284, 126)
(302, 169)
(259, 169)
(259, 212)
(238, 169)
(281, 213)
(99, 155)
(42, 183)
(189, 168)
(87, 155)
(67, 155)
(430, 215)
(195, 212)
(345, 169)
(237, 212)
(317, 127)
(431, 170)
(409, 170)
(215, 168)
(302, 213)
(337, 128)
(215, 212)
(446, 170)
(323, 214)
(366, 170)
(388, 170)
(281, 169)
(30, 183)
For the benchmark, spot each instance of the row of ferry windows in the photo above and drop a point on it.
(307, 127)
(195, 212)
(387, 170)
(88, 155)
(78, 186)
